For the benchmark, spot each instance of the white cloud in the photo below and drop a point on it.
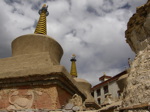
(92, 29)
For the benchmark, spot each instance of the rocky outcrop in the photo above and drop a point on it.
(138, 82)
(137, 91)
(138, 29)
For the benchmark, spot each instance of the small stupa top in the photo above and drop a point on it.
(41, 26)
(73, 70)
(73, 57)
(104, 77)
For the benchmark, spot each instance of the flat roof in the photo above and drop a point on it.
(109, 80)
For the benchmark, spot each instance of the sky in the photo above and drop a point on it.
(94, 30)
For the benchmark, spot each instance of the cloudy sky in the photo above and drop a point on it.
(91, 29)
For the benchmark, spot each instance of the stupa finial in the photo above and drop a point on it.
(41, 26)
(73, 70)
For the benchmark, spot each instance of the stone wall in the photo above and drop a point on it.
(137, 91)
(41, 97)
(138, 87)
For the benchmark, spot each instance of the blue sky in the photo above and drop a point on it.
(91, 29)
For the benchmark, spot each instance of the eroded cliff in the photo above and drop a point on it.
(137, 92)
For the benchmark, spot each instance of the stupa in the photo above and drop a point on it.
(33, 77)
(89, 103)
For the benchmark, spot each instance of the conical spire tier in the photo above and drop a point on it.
(41, 26)
(73, 70)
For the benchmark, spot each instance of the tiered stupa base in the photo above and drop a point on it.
(33, 78)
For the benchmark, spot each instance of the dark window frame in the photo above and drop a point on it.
(99, 100)
(98, 91)
(106, 90)
(119, 93)
(92, 93)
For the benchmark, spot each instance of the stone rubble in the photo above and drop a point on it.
(45, 110)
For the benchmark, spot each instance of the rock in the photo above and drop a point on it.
(137, 91)
(138, 29)
(74, 104)
(69, 106)
(76, 108)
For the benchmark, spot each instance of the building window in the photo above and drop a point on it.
(119, 94)
(99, 101)
(92, 93)
(105, 89)
(98, 92)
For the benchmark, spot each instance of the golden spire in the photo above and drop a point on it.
(41, 26)
(73, 70)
